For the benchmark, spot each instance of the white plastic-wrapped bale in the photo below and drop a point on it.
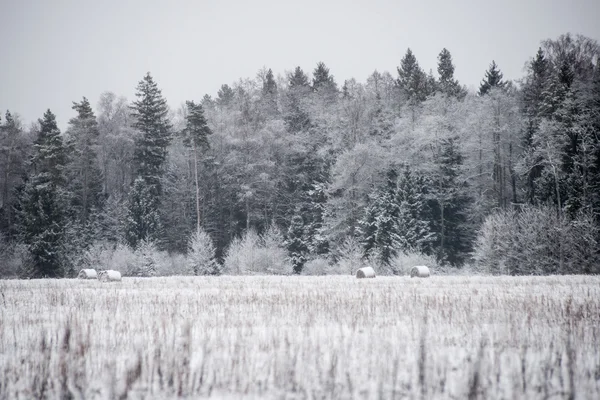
(109, 276)
(87, 274)
(365, 272)
(420, 271)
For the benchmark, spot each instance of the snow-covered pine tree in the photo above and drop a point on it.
(447, 84)
(380, 224)
(150, 112)
(493, 79)
(414, 229)
(269, 94)
(324, 84)
(41, 217)
(314, 231)
(296, 244)
(225, 96)
(296, 118)
(412, 80)
(146, 260)
(142, 222)
(84, 177)
(449, 206)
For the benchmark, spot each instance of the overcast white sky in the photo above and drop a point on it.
(56, 51)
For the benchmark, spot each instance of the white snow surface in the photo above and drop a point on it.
(297, 337)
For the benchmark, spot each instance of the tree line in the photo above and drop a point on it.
(409, 162)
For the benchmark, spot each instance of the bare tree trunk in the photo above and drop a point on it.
(197, 187)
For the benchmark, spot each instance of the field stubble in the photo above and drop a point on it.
(301, 337)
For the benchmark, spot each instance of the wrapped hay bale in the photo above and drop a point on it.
(366, 272)
(420, 271)
(109, 276)
(87, 274)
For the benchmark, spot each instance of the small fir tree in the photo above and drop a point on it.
(296, 245)
(493, 79)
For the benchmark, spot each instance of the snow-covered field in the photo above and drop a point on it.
(302, 337)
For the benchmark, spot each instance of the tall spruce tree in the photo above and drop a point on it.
(150, 112)
(151, 120)
(412, 80)
(381, 222)
(493, 79)
(85, 179)
(449, 204)
(414, 228)
(225, 96)
(298, 79)
(323, 81)
(533, 106)
(14, 149)
(269, 93)
(40, 208)
(447, 84)
(296, 118)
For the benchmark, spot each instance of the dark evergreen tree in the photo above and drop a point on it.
(533, 109)
(412, 81)
(323, 81)
(298, 79)
(381, 222)
(85, 179)
(50, 155)
(296, 244)
(318, 243)
(41, 217)
(414, 228)
(493, 79)
(150, 111)
(269, 85)
(296, 118)
(447, 84)
(269, 94)
(14, 154)
(449, 205)
(225, 96)
(142, 222)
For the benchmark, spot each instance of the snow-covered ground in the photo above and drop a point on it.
(302, 337)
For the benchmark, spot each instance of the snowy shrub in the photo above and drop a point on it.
(318, 266)
(348, 256)
(536, 241)
(173, 264)
(104, 256)
(201, 254)
(146, 261)
(404, 261)
(275, 258)
(253, 254)
(15, 259)
(99, 256)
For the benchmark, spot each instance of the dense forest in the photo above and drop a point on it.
(298, 172)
